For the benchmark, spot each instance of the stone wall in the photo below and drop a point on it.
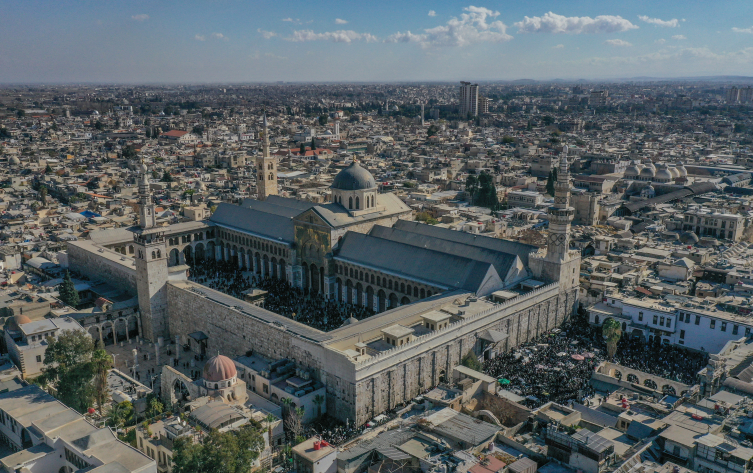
(98, 263)
(391, 379)
(359, 391)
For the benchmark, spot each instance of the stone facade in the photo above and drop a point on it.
(359, 390)
(107, 265)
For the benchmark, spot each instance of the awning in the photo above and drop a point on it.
(492, 336)
(198, 336)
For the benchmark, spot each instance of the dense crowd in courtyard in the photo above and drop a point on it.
(281, 298)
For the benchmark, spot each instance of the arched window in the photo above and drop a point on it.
(159, 254)
(271, 176)
(270, 166)
(350, 202)
(358, 206)
(154, 255)
(261, 177)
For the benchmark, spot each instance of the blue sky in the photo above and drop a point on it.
(133, 41)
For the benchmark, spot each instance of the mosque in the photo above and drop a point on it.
(438, 294)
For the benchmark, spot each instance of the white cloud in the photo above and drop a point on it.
(274, 56)
(660, 41)
(679, 37)
(140, 17)
(472, 27)
(340, 21)
(340, 36)
(617, 42)
(200, 37)
(673, 23)
(553, 23)
(219, 36)
(743, 30)
(266, 34)
(559, 46)
(432, 13)
(289, 19)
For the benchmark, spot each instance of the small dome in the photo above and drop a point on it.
(681, 169)
(675, 173)
(650, 165)
(219, 368)
(15, 161)
(21, 319)
(632, 171)
(648, 172)
(353, 178)
(663, 175)
(689, 238)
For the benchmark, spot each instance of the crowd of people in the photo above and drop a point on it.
(281, 297)
(558, 366)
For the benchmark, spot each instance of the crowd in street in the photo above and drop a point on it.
(281, 298)
(557, 366)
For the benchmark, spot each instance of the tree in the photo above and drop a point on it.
(471, 186)
(48, 169)
(101, 365)
(148, 132)
(154, 407)
(303, 149)
(43, 194)
(234, 451)
(313, 144)
(294, 422)
(67, 292)
(323, 119)
(470, 360)
(166, 177)
(270, 419)
(318, 400)
(198, 130)
(68, 367)
(487, 193)
(119, 415)
(550, 183)
(612, 332)
(432, 130)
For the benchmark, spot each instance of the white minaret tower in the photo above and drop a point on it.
(560, 264)
(147, 219)
(422, 114)
(266, 169)
(337, 127)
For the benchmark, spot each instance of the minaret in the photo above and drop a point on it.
(151, 265)
(337, 127)
(560, 214)
(422, 114)
(147, 218)
(266, 169)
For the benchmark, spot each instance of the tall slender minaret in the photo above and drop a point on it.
(151, 265)
(422, 114)
(147, 219)
(337, 127)
(560, 214)
(266, 169)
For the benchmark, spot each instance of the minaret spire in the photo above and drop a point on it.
(560, 214)
(147, 219)
(266, 167)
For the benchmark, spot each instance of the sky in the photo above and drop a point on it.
(236, 41)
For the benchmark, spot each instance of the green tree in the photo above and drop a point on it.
(612, 332)
(471, 186)
(550, 183)
(68, 367)
(166, 177)
(303, 149)
(67, 292)
(43, 194)
(313, 144)
(154, 407)
(470, 360)
(487, 192)
(148, 132)
(323, 119)
(318, 400)
(432, 130)
(102, 363)
(48, 169)
(229, 452)
(119, 415)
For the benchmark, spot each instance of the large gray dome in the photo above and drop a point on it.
(353, 178)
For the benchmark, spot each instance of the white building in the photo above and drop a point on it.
(468, 99)
(27, 340)
(48, 436)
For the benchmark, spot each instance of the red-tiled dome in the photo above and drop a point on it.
(219, 368)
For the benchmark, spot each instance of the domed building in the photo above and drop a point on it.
(219, 378)
(633, 171)
(647, 173)
(663, 176)
(355, 189)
